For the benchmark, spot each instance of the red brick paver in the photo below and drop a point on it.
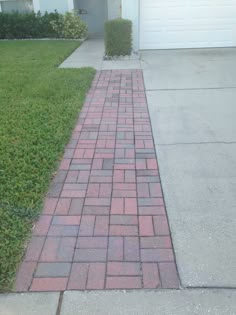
(104, 224)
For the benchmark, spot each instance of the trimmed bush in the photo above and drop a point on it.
(118, 37)
(49, 25)
(46, 26)
(28, 25)
(74, 27)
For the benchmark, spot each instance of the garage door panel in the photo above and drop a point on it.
(187, 23)
(188, 39)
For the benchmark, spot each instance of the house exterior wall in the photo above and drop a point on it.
(130, 10)
(95, 14)
(19, 5)
(114, 9)
(71, 6)
(61, 6)
(36, 5)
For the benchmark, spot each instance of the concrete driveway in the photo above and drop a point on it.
(192, 102)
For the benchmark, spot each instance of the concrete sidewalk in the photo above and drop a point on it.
(91, 53)
(176, 302)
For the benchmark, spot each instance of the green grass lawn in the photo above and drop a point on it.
(39, 105)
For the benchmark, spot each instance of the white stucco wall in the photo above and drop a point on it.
(19, 5)
(70, 5)
(114, 9)
(130, 10)
(36, 5)
(61, 6)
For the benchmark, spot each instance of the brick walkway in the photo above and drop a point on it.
(104, 224)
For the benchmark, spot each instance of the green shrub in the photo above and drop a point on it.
(28, 25)
(17, 25)
(118, 37)
(37, 25)
(74, 27)
(58, 25)
(46, 26)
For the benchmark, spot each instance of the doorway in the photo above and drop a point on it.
(94, 13)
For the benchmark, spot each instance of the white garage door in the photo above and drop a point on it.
(187, 23)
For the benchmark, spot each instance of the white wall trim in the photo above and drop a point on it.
(70, 4)
(131, 11)
(36, 4)
(139, 20)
